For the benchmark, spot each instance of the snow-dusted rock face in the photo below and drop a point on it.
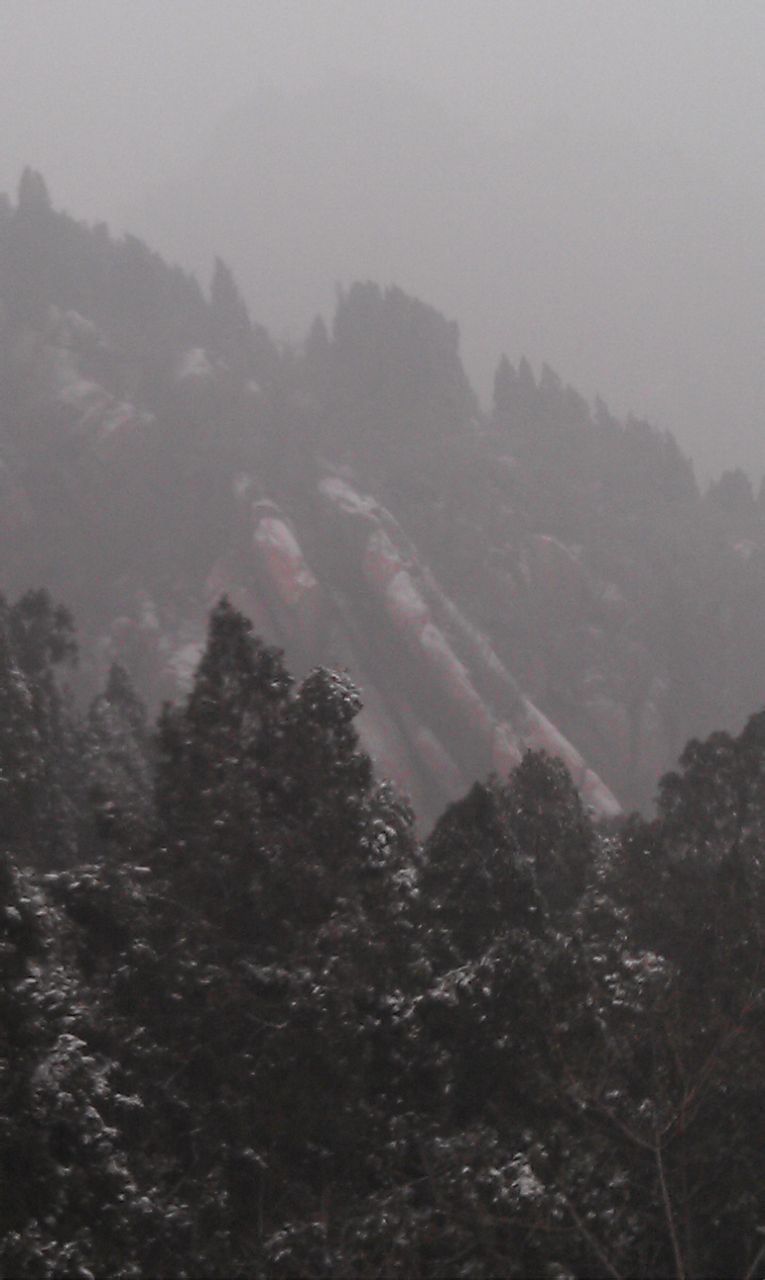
(194, 366)
(85, 416)
(537, 575)
(461, 682)
(440, 706)
(555, 573)
(282, 569)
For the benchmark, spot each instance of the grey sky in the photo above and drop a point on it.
(85, 76)
(110, 97)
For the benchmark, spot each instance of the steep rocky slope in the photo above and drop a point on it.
(538, 576)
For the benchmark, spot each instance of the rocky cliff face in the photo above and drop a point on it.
(440, 708)
(537, 576)
(335, 581)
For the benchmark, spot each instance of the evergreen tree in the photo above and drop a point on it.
(29, 267)
(276, 867)
(119, 764)
(212, 754)
(245, 346)
(504, 390)
(552, 829)
(41, 804)
(33, 197)
(477, 879)
(229, 317)
(71, 1204)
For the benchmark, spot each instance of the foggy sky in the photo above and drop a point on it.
(112, 98)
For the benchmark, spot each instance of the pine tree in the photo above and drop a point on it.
(33, 197)
(211, 757)
(246, 347)
(504, 391)
(41, 803)
(552, 829)
(477, 879)
(119, 765)
(229, 317)
(71, 1204)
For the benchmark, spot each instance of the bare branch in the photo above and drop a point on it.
(587, 1235)
(679, 1265)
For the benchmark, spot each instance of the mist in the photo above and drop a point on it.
(577, 182)
(382, 600)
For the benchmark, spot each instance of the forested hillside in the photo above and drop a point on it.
(326, 948)
(539, 574)
(252, 1026)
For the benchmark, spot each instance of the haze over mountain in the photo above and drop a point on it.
(350, 923)
(536, 574)
(608, 254)
(580, 182)
(256, 1021)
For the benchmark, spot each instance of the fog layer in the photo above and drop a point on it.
(610, 257)
(579, 181)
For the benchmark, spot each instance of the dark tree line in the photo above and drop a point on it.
(251, 1026)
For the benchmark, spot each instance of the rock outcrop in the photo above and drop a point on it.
(537, 577)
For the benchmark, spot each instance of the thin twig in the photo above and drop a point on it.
(749, 1273)
(590, 1239)
(679, 1267)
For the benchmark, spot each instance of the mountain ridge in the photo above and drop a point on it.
(532, 576)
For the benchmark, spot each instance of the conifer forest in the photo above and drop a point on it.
(382, 799)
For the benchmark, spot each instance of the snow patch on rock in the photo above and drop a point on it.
(194, 366)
